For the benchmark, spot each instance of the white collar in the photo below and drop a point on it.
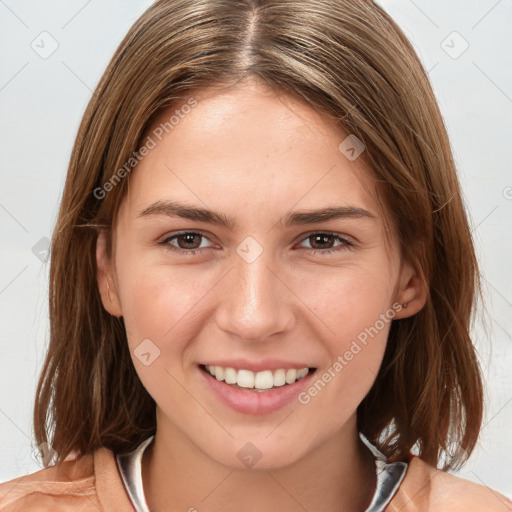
(389, 477)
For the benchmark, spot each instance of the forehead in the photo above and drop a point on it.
(249, 148)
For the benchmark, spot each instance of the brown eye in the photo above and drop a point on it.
(322, 243)
(187, 242)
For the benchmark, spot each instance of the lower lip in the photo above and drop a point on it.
(254, 402)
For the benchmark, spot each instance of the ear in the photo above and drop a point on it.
(412, 292)
(106, 277)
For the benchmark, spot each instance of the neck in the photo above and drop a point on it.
(336, 475)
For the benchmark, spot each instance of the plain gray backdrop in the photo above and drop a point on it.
(52, 56)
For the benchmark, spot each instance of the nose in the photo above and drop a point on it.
(255, 301)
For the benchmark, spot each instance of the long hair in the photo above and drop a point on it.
(347, 59)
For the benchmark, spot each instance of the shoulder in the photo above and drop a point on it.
(85, 483)
(426, 488)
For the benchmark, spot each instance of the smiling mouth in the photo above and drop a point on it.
(266, 380)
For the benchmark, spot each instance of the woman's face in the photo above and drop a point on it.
(218, 259)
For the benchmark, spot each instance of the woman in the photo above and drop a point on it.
(262, 275)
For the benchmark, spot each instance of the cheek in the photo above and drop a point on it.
(346, 379)
(143, 298)
(160, 310)
(161, 303)
(355, 308)
(348, 300)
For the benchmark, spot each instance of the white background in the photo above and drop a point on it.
(41, 104)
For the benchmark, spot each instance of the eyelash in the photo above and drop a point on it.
(346, 244)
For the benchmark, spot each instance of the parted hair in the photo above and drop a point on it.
(347, 59)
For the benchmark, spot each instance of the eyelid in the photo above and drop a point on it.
(347, 238)
(347, 241)
(174, 234)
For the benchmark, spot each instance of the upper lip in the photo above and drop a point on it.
(257, 366)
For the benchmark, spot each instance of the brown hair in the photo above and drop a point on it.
(348, 59)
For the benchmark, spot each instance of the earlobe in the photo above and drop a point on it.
(412, 293)
(104, 277)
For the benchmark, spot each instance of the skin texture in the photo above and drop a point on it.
(254, 155)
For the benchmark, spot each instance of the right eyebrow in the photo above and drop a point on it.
(177, 209)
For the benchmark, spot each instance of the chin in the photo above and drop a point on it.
(257, 452)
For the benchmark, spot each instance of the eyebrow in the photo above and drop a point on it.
(177, 209)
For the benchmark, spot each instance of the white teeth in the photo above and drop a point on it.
(302, 373)
(264, 380)
(260, 380)
(279, 377)
(245, 379)
(219, 373)
(230, 375)
(291, 375)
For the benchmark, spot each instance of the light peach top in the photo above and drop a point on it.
(92, 483)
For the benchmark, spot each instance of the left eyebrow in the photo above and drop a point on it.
(326, 214)
(191, 212)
